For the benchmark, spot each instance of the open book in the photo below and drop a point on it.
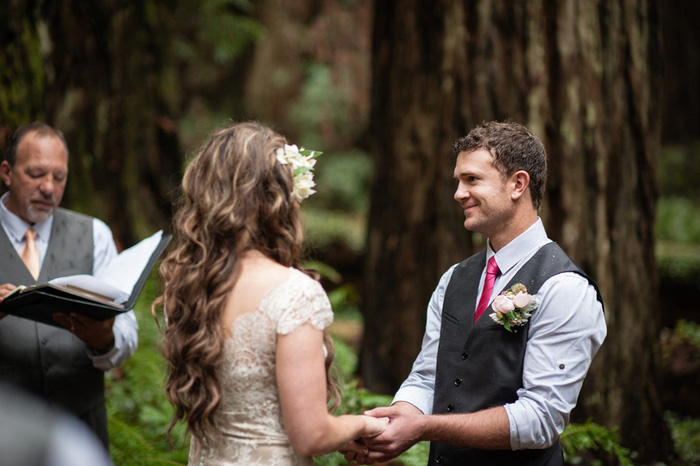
(99, 297)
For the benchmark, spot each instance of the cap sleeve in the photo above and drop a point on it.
(306, 301)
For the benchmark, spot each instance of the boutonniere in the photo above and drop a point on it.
(513, 307)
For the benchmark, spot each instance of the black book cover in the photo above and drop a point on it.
(85, 294)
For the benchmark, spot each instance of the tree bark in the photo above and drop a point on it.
(22, 77)
(93, 71)
(580, 75)
(412, 237)
(107, 60)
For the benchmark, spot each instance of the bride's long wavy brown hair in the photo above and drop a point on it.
(235, 198)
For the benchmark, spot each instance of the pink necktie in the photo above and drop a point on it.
(30, 253)
(491, 273)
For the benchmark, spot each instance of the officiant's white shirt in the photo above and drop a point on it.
(125, 326)
(565, 333)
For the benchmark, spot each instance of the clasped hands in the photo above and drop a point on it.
(401, 433)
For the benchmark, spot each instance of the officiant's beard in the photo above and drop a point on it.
(38, 214)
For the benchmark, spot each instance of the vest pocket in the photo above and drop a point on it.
(450, 318)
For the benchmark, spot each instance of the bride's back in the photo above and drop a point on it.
(268, 299)
(259, 275)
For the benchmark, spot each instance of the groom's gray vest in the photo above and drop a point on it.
(46, 360)
(480, 365)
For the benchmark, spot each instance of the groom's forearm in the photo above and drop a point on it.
(488, 429)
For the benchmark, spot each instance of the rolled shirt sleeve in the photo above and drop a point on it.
(565, 334)
(418, 388)
(125, 326)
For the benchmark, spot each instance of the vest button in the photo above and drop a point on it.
(457, 382)
(438, 460)
(450, 408)
(465, 355)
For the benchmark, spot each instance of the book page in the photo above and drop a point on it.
(92, 285)
(126, 269)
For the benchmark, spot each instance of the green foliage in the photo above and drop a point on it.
(320, 101)
(686, 435)
(326, 228)
(339, 215)
(322, 115)
(678, 220)
(326, 271)
(679, 270)
(679, 170)
(221, 30)
(344, 179)
(22, 69)
(689, 331)
(136, 406)
(579, 439)
(345, 362)
(204, 80)
(344, 298)
(345, 301)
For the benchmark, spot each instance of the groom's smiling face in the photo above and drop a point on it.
(482, 192)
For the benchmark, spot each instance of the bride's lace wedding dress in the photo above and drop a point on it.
(250, 428)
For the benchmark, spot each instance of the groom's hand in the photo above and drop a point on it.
(401, 434)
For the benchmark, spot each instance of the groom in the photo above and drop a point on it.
(482, 392)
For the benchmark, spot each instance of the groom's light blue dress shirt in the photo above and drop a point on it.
(125, 326)
(566, 331)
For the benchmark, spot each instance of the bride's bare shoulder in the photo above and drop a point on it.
(259, 275)
(256, 266)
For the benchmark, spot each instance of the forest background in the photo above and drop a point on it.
(383, 88)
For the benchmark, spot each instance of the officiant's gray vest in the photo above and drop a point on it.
(46, 360)
(480, 365)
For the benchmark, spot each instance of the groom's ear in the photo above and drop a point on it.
(519, 182)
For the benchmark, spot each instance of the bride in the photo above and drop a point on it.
(244, 336)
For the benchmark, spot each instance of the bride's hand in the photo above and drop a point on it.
(374, 426)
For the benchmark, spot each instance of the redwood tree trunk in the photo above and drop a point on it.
(106, 96)
(580, 75)
(92, 70)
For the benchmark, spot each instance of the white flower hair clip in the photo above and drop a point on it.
(302, 162)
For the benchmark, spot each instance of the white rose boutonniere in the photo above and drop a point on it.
(513, 307)
(302, 162)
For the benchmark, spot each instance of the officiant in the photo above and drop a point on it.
(39, 241)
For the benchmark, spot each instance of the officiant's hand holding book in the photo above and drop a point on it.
(101, 298)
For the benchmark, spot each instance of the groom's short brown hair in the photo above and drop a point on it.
(514, 148)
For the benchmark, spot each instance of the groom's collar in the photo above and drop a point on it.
(522, 246)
